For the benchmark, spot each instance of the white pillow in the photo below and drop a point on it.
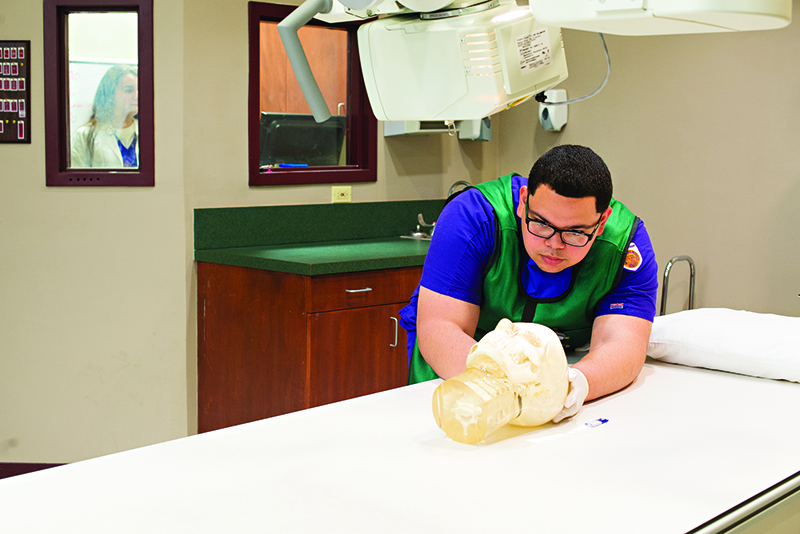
(755, 344)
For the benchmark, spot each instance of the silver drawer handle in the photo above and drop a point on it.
(394, 319)
(358, 290)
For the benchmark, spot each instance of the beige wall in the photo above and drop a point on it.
(416, 167)
(97, 344)
(701, 135)
(94, 291)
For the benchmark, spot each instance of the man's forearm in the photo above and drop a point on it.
(606, 377)
(618, 351)
(445, 347)
(445, 327)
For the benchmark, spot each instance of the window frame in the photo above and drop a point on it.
(362, 126)
(56, 92)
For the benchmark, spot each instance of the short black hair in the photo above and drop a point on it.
(573, 171)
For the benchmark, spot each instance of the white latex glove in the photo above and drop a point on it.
(578, 390)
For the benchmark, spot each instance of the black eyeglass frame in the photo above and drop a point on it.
(529, 219)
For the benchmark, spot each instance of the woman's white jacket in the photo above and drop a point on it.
(106, 151)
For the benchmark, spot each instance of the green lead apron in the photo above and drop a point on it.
(571, 315)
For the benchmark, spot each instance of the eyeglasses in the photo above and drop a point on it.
(543, 229)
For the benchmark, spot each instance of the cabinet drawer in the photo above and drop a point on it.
(366, 288)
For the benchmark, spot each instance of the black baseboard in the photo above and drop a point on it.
(14, 469)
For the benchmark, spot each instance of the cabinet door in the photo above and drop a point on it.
(356, 352)
(251, 345)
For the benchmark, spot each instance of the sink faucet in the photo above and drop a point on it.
(455, 186)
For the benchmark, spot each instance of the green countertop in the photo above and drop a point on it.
(315, 239)
(324, 258)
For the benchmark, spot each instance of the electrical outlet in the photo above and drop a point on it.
(341, 193)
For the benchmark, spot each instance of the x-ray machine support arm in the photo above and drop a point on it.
(287, 29)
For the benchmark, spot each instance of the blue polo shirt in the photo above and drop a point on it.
(462, 247)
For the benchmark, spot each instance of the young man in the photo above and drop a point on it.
(554, 249)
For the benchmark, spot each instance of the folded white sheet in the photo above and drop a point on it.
(755, 344)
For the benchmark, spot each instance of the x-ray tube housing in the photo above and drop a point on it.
(460, 68)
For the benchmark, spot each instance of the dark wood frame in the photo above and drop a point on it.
(362, 126)
(56, 91)
(8, 469)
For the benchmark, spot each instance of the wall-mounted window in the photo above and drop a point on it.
(98, 65)
(286, 145)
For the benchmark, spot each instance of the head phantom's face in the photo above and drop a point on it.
(532, 358)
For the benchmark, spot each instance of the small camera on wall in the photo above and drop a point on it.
(553, 118)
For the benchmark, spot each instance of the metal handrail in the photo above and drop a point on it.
(456, 186)
(665, 282)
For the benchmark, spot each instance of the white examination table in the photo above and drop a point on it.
(683, 449)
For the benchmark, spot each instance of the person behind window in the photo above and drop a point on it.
(110, 138)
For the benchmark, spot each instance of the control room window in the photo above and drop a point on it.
(287, 146)
(99, 92)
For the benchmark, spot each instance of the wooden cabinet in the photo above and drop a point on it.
(326, 50)
(270, 343)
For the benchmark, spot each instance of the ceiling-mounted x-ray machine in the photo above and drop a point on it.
(458, 60)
